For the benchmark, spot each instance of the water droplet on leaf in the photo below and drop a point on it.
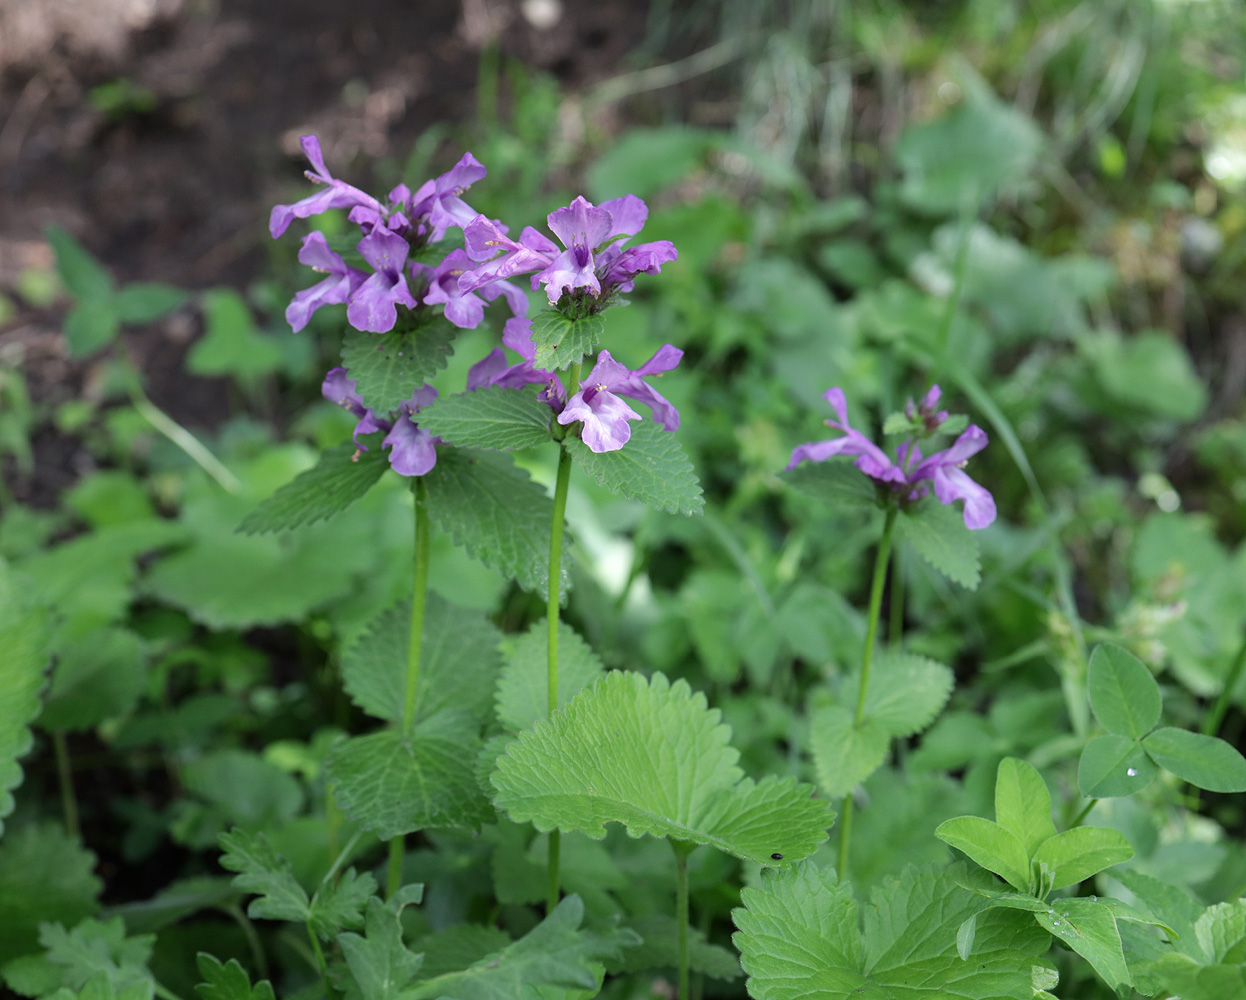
(1132, 772)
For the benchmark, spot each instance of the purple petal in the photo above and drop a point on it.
(628, 215)
(666, 358)
(517, 335)
(384, 250)
(311, 149)
(372, 307)
(338, 387)
(413, 452)
(580, 225)
(605, 418)
(952, 483)
(817, 451)
(334, 289)
(315, 253)
(664, 411)
(484, 371)
(647, 258)
(571, 269)
(607, 373)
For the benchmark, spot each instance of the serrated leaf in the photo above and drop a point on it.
(100, 676)
(97, 947)
(556, 953)
(461, 946)
(1112, 766)
(264, 872)
(1221, 931)
(494, 510)
(24, 634)
(834, 483)
(459, 662)
(799, 939)
(341, 476)
(991, 846)
(229, 981)
(44, 877)
(1076, 854)
(1169, 905)
(380, 963)
(1181, 976)
(659, 949)
(651, 468)
(907, 692)
(1206, 761)
(939, 535)
(1123, 693)
(90, 325)
(490, 418)
(339, 905)
(83, 275)
(522, 687)
(651, 755)
(393, 785)
(1023, 804)
(845, 754)
(145, 301)
(388, 367)
(562, 342)
(1091, 931)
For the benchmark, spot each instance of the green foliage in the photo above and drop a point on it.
(380, 964)
(522, 687)
(229, 981)
(561, 342)
(97, 677)
(651, 468)
(45, 877)
(652, 756)
(340, 477)
(388, 367)
(939, 535)
(490, 418)
(84, 959)
(24, 638)
(231, 344)
(1123, 694)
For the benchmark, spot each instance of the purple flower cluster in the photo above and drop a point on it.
(412, 450)
(910, 475)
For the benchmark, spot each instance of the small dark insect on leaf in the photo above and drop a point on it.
(777, 856)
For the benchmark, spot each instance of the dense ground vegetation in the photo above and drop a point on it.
(212, 730)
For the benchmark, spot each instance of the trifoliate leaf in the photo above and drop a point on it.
(837, 484)
(845, 754)
(90, 326)
(1023, 804)
(458, 662)
(380, 963)
(907, 691)
(1112, 766)
(651, 468)
(561, 342)
(651, 755)
(264, 872)
(97, 677)
(490, 418)
(1123, 693)
(557, 952)
(231, 343)
(24, 634)
(339, 905)
(388, 367)
(229, 981)
(392, 784)
(1091, 931)
(44, 877)
(659, 949)
(146, 301)
(1206, 761)
(799, 937)
(494, 510)
(991, 846)
(939, 535)
(522, 687)
(1081, 852)
(341, 476)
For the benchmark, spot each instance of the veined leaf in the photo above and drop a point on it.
(561, 342)
(341, 476)
(939, 535)
(1123, 693)
(1076, 854)
(839, 484)
(1091, 931)
(83, 275)
(380, 963)
(991, 846)
(522, 687)
(1206, 761)
(24, 633)
(1112, 766)
(907, 692)
(1023, 804)
(490, 418)
(229, 981)
(651, 468)
(264, 872)
(100, 676)
(388, 367)
(652, 756)
(845, 754)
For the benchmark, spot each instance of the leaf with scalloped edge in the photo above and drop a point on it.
(561, 342)
(261, 870)
(653, 756)
(651, 468)
(388, 367)
(939, 535)
(907, 692)
(24, 635)
(491, 417)
(340, 477)
(522, 687)
(844, 753)
(229, 981)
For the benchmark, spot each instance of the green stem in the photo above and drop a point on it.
(552, 605)
(320, 962)
(682, 849)
(181, 437)
(234, 911)
(867, 661)
(393, 879)
(895, 625)
(69, 801)
(1081, 816)
(1211, 724)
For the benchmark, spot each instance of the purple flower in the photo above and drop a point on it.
(337, 194)
(373, 306)
(493, 370)
(438, 202)
(341, 283)
(412, 451)
(467, 309)
(908, 477)
(600, 405)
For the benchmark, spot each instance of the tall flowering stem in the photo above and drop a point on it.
(867, 661)
(415, 642)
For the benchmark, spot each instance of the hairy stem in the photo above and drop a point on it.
(682, 849)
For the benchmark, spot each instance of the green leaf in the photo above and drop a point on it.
(991, 846)
(264, 872)
(562, 342)
(1076, 854)
(907, 692)
(939, 535)
(1112, 766)
(246, 789)
(97, 947)
(1168, 904)
(494, 510)
(651, 755)
(458, 662)
(659, 949)
(144, 301)
(1221, 931)
(490, 418)
(229, 981)
(844, 754)
(1123, 693)
(231, 344)
(1181, 976)
(388, 367)
(799, 937)
(342, 475)
(651, 468)
(556, 953)
(100, 676)
(380, 963)
(44, 876)
(838, 484)
(1091, 931)
(82, 274)
(1213, 966)
(24, 635)
(339, 905)
(1206, 761)
(522, 688)
(393, 785)
(1023, 804)
(90, 325)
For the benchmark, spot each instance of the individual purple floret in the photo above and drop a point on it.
(593, 263)
(600, 406)
(908, 477)
(337, 194)
(341, 283)
(412, 451)
(373, 306)
(437, 202)
(493, 369)
(467, 309)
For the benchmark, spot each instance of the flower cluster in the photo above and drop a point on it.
(911, 475)
(412, 450)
